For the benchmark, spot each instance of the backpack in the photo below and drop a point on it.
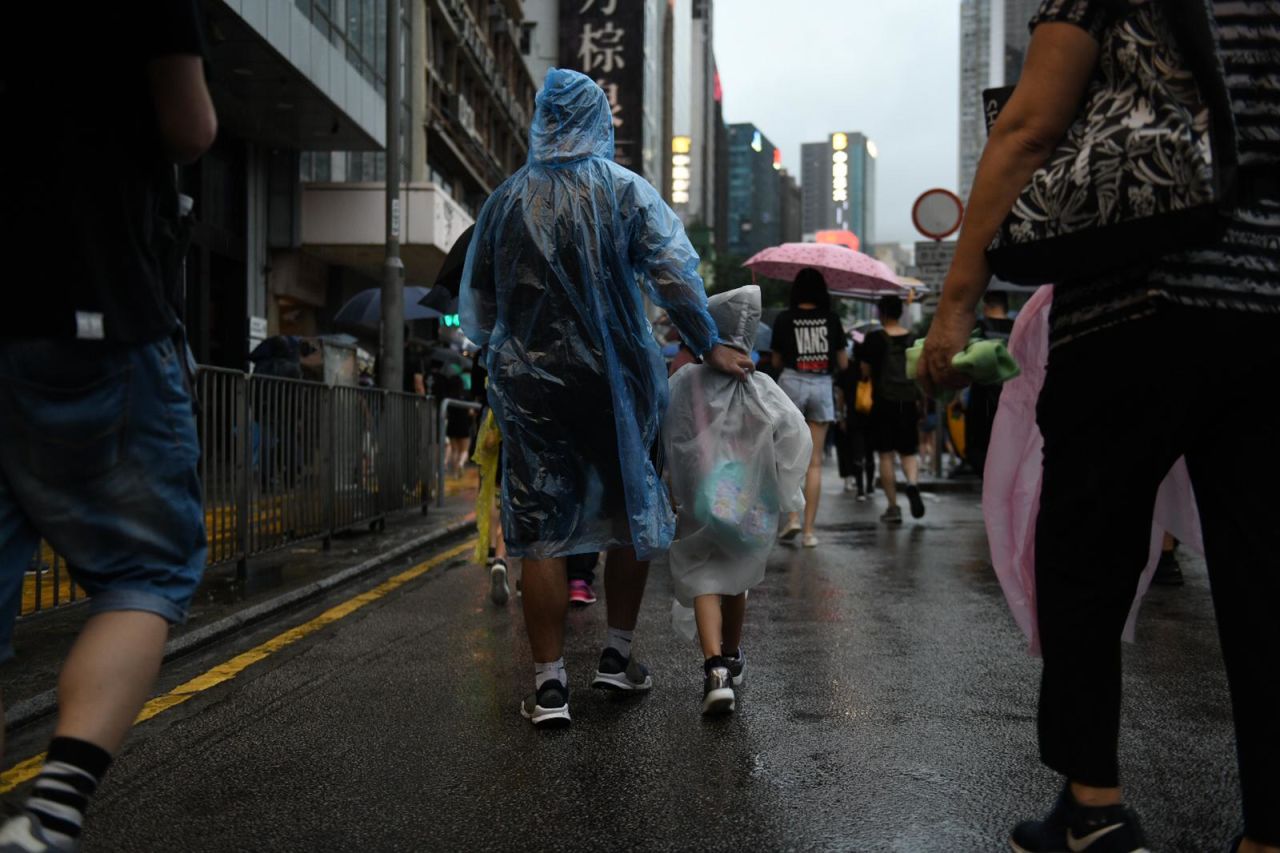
(895, 385)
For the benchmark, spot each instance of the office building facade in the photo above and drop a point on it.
(993, 46)
(838, 183)
(754, 210)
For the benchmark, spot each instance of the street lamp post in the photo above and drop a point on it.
(391, 340)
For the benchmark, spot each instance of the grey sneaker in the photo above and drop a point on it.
(498, 589)
(892, 515)
(717, 692)
(737, 667)
(548, 707)
(23, 834)
(624, 674)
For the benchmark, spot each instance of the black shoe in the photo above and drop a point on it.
(917, 502)
(548, 707)
(1168, 572)
(1073, 828)
(892, 515)
(618, 673)
(717, 688)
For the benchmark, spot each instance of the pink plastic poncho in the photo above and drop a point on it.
(1015, 468)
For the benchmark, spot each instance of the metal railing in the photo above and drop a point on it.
(285, 461)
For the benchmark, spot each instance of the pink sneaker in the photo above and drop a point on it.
(580, 593)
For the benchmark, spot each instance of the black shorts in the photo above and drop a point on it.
(895, 427)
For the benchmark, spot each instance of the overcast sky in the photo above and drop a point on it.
(800, 69)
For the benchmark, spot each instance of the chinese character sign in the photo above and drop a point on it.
(604, 39)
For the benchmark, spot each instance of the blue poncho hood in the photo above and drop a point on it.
(572, 121)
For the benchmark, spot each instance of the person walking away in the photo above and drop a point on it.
(98, 445)
(1114, 336)
(980, 412)
(739, 455)
(552, 292)
(457, 420)
(895, 413)
(808, 349)
(846, 389)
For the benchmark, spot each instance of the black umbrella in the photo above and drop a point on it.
(450, 275)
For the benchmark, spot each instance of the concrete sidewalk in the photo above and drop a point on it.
(223, 605)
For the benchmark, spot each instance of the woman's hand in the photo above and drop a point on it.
(729, 360)
(948, 335)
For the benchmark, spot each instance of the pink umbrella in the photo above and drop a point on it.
(846, 270)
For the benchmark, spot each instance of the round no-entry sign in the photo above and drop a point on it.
(937, 213)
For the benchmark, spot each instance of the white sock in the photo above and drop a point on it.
(620, 641)
(554, 671)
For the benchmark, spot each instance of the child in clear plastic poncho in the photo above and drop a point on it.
(738, 452)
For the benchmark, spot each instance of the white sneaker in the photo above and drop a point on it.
(793, 530)
(849, 484)
(810, 541)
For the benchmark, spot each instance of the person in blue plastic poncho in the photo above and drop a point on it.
(552, 290)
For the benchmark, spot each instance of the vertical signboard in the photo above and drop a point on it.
(604, 39)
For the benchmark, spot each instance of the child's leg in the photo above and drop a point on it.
(706, 610)
(733, 611)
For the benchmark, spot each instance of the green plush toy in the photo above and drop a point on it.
(985, 362)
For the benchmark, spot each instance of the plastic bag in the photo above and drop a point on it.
(552, 290)
(738, 453)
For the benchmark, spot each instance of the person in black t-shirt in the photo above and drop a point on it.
(895, 412)
(808, 348)
(98, 443)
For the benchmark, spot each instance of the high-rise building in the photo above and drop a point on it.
(696, 92)
(755, 208)
(838, 182)
(792, 202)
(993, 46)
(540, 37)
(1017, 35)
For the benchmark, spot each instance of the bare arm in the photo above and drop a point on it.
(1060, 62)
(184, 110)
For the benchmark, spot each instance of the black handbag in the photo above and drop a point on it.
(1148, 163)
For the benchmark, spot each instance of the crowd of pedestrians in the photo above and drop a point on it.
(590, 446)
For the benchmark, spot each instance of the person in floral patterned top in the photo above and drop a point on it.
(1116, 344)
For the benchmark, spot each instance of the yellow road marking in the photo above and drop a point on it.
(26, 770)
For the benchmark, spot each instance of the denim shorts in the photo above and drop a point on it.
(98, 455)
(813, 394)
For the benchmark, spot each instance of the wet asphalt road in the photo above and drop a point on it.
(889, 706)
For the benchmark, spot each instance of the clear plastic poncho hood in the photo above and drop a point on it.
(562, 256)
(738, 453)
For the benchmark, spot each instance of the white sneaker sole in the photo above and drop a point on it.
(549, 717)
(619, 681)
(499, 592)
(719, 701)
(790, 534)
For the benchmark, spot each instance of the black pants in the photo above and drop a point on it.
(1118, 409)
(853, 451)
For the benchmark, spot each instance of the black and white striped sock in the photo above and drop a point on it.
(71, 773)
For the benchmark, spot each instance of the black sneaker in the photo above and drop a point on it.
(1168, 572)
(717, 690)
(917, 502)
(1073, 828)
(548, 707)
(892, 515)
(737, 667)
(624, 674)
